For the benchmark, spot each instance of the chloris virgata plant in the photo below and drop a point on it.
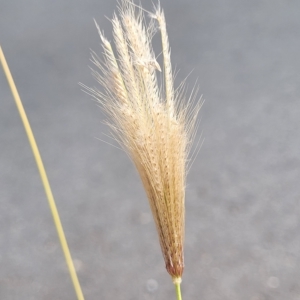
(153, 122)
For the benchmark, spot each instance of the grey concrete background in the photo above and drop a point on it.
(242, 229)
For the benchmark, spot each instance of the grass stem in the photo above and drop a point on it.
(178, 290)
(43, 176)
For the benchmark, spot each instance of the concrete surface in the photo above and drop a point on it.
(242, 231)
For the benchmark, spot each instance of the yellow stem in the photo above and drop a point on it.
(44, 178)
(177, 282)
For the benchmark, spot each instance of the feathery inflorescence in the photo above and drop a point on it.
(152, 122)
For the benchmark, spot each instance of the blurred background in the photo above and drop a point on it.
(243, 191)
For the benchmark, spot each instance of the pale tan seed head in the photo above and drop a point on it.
(152, 123)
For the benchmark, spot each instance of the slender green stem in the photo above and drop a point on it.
(44, 178)
(178, 291)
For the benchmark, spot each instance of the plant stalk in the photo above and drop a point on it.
(177, 283)
(43, 176)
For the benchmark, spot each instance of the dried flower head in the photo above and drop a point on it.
(152, 122)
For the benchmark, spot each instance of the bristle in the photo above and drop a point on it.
(152, 123)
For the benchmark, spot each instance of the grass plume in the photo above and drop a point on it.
(152, 122)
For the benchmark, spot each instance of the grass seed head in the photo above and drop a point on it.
(153, 123)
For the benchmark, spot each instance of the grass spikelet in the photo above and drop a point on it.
(153, 123)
